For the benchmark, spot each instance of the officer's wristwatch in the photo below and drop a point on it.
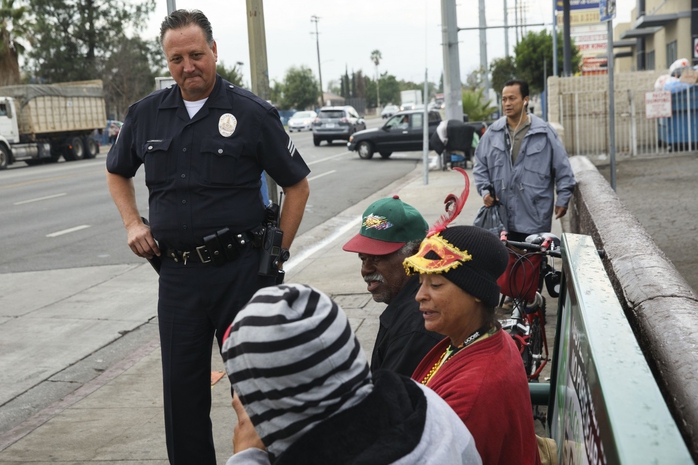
(284, 255)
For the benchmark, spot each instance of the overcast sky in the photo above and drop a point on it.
(407, 33)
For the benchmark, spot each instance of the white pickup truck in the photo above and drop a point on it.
(41, 123)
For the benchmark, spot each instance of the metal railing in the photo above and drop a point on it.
(605, 406)
(584, 116)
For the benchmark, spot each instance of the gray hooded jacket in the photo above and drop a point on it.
(526, 188)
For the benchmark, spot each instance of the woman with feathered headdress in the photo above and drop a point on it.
(477, 368)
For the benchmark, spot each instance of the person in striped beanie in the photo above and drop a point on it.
(302, 377)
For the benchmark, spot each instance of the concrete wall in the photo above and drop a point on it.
(661, 307)
(625, 64)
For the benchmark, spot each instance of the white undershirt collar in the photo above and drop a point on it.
(194, 107)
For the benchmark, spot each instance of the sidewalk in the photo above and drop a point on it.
(116, 417)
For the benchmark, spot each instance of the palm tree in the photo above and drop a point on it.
(13, 26)
(376, 58)
(475, 105)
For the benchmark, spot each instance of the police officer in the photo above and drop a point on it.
(204, 144)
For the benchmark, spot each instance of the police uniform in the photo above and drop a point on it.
(203, 175)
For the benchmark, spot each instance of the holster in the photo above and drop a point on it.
(222, 247)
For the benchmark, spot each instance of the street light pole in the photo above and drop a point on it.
(315, 19)
(171, 6)
(483, 47)
(506, 30)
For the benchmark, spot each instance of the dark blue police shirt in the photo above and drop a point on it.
(200, 177)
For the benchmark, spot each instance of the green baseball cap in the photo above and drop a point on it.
(386, 225)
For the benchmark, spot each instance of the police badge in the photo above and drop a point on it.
(227, 124)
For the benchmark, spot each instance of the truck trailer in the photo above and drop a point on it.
(409, 99)
(42, 122)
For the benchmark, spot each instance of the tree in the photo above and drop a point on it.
(503, 70)
(128, 76)
(376, 58)
(475, 105)
(233, 75)
(74, 38)
(533, 50)
(389, 89)
(300, 89)
(475, 79)
(346, 85)
(14, 31)
(360, 84)
(334, 86)
(353, 84)
(276, 92)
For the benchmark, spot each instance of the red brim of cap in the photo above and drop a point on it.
(363, 244)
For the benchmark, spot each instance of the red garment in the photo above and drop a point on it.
(486, 385)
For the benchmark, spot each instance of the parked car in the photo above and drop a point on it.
(301, 121)
(401, 133)
(389, 111)
(334, 123)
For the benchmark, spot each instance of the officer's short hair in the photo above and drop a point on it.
(183, 18)
(523, 86)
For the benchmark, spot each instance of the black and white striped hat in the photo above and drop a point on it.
(294, 361)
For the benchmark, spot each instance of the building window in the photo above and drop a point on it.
(650, 60)
(671, 54)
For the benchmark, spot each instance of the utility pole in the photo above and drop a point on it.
(506, 29)
(315, 19)
(516, 20)
(453, 95)
(256, 34)
(483, 47)
(259, 70)
(554, 38)
(567, 42)
(171, 6)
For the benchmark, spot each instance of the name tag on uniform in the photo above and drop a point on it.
(227, 124)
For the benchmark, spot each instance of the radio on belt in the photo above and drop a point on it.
(271, 252)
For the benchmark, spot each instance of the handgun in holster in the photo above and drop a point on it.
(155, 261)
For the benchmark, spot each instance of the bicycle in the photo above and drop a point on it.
(530, 265)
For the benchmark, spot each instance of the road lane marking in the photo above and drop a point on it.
(322, 160)
(55, 178)
(321, 175)
(300, 258)
(39, 199)
(68, 231)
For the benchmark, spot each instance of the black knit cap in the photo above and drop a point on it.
(478, 273)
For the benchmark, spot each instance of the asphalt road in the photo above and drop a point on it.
(61, 215)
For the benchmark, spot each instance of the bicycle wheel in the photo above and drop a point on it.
(535, 345)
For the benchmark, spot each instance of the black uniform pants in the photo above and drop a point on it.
(196, 302)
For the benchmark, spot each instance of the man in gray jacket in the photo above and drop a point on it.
(522, 159)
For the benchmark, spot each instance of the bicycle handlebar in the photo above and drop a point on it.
(527, 246)
(540, 248)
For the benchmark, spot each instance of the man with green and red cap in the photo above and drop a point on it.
(391, 231)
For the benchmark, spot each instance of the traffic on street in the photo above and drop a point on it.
(63, 215)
